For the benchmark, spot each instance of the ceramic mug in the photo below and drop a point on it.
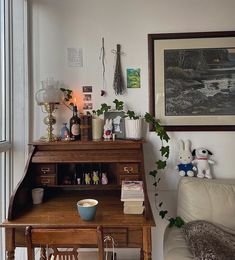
(87, 208)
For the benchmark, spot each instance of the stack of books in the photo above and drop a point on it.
(132, 194)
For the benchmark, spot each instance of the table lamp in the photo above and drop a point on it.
(49, 97)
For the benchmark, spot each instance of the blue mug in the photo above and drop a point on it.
(87, 208)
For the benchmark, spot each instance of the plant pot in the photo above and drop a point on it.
(97, 128)
(133, 128)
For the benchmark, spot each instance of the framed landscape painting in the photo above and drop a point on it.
(192, 80)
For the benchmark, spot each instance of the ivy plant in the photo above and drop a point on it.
(68, 95)
(160, 166)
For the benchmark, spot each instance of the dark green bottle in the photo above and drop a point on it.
(75, 132)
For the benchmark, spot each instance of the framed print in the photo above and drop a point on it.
(118, 122)
(192, 80)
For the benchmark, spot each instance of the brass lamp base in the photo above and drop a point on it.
(49, 120)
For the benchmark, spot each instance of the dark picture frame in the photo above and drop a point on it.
(118, 122)
(191, 84)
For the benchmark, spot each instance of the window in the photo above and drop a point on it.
(5, 146)
(13, 101)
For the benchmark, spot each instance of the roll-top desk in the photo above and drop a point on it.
(51, 165)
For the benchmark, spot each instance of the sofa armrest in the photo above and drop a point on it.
(175, 246)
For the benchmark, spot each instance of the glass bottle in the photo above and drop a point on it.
(64, 132)
(75, 125)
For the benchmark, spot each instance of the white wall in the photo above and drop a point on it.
(58, 24)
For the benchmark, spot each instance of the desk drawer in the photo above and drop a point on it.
(120, 236)
(46, 168)
(128, 168)
(46, 179)
(125, 237)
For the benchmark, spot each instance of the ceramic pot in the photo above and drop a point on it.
(133, 128)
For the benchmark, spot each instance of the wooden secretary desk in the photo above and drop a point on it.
(51, 165)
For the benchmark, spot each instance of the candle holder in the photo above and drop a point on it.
(49, 97)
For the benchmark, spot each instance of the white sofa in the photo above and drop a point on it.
(200, 199)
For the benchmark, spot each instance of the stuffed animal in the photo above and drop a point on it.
(203, 162)
(108, 127)
(185, 167)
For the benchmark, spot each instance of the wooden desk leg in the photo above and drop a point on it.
(147, 243)
(10, 243)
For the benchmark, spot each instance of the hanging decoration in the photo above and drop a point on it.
(102, 58)
(118, 82)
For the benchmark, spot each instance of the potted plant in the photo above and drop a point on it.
(133, 126)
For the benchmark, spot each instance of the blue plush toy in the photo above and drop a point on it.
(185, 167)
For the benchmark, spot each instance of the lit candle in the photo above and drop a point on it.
(75, 100)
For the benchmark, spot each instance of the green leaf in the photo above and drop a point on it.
(155, 184)
(165, 151)
(163, 213)
(153, 173)
(132, 115)
(161, 164)
(177, 222)
(118, 104)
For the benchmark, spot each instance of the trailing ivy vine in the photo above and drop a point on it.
(160, 166)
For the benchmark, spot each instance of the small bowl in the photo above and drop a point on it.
(87, 208)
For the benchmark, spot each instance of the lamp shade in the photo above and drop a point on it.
(49, 93)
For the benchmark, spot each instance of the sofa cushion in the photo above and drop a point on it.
(211, 200)
(175, 245)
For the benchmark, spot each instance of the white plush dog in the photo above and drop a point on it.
(203, 162)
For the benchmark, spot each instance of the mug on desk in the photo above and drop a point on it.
(37, 195)
(87, 208)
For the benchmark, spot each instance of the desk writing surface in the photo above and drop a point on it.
(61, 210)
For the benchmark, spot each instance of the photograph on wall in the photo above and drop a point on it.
(86, 89)
(87, 97)
(199, 82)
(133, 78)
(118, 121)
(87, 106)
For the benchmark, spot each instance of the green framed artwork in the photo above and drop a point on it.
(133, 78)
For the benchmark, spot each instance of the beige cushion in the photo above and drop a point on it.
(203, 199)
(175, 246)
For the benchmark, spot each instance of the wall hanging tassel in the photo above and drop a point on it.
(102, 58)
(118, 82)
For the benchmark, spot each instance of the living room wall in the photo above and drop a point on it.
(59, 24)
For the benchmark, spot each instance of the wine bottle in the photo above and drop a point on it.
(75, 125)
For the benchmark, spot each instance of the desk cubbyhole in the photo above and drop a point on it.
(86, 175)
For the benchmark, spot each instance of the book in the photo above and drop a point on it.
(132, 191)
(132, 186)
(133, 210)
(133, 203)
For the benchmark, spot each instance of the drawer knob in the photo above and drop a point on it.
(45, 170)
(128, 169)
